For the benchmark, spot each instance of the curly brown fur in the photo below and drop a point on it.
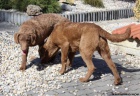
(86, 38)
(34, 32)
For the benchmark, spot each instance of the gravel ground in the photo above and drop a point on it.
(108, 5)
(14, 82)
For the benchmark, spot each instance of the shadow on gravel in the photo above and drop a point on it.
(40, 67)
(35, 62)
(102, 67)
(78, 62)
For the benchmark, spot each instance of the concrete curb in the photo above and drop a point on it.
(18, 17)
(14, 17)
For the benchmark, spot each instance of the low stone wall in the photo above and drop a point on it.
(19, 18)
(13, 17)
(100, 15)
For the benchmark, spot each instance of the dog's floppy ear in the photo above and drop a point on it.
(16, 37)
(33, 37)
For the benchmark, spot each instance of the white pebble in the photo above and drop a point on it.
(126, 88)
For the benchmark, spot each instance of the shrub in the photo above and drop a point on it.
(136, 9)
(20, 5)
(5, 4)
(48, 6)
(95, 3)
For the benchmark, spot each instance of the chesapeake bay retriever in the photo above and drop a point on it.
(85, 38)
(34, 32)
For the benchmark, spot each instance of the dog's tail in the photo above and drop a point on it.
(116, 37)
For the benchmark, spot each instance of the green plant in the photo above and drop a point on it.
(48, 6)
(20, 4)
(95, 3)
(5, 4)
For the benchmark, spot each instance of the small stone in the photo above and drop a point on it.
(76, 90)
(95, 90)
(113, 89)
(64, 81)
(126, 88)
(71, 91)
(7, 90)
(74, 93)
(116, 87)
(128, 76)
(129, 82)
(107, 84)
(122, 72)
(14, 91)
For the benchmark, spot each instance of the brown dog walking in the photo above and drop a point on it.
(85, 38)
(34, 31)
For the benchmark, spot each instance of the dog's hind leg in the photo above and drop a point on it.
(86, 48)
(87, 57)
(70, 58)
(105, 53)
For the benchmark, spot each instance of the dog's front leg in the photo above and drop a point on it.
(24, 60)
(64, 54)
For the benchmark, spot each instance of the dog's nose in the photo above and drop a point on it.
(24, 51)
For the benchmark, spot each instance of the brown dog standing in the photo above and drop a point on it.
(85, 37)
(34, 32)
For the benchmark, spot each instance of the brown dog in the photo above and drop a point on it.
(85, 37)
(34, 32)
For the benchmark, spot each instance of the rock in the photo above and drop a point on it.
(122, 72)
(33, 10)
(66, 7)
(126, 88)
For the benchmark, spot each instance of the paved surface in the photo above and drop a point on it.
(4, 26)
(99, 85)
(102, 85)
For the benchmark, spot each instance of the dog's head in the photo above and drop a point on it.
(49, 51)
(25, 39)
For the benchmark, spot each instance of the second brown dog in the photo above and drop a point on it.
(85, 38)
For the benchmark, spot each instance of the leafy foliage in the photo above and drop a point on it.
(5, 4)
(95, 3)
(48, 6)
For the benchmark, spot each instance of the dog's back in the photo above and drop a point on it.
(75, 30)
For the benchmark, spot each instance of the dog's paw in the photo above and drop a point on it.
(83, 79)
(118, 82)
(22, 69)
(61, 72)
